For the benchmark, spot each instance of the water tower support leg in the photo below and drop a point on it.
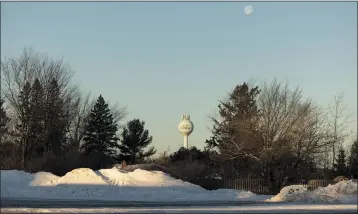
(186, 141)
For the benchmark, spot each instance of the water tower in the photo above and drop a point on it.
(186, 127)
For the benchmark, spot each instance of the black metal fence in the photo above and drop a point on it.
(256, 186)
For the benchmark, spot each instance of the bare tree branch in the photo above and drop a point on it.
(337, 125)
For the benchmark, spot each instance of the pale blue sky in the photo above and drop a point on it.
(164, 59)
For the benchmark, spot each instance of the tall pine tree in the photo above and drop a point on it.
(236, 134)
(3, 122)
(236, 118)
(100, 133)
(340, 167)
(55, 119)
(6, 146)
(353, 160)
(134, 140)
(23, 127)
(37, 134)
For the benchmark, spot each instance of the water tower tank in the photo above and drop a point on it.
(185, 127)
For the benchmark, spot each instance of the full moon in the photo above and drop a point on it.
(249, 9)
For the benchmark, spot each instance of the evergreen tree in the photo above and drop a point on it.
(37, 119)
(353, 160)
(100, 130)
(23, 128)
(6, 146)
(3, 122)
(340, 167)
(190, 155)
(134, 140)
(55, 118)
(24, 106)
(239, 110)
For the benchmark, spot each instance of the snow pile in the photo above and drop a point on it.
(291, 193)
(112, 184)
(237, 194)
(15, 183)
(147, 166)
(14, 178)
(43, 179)
(342, 192)
(82, 176)
(143, 185)
(141, 177)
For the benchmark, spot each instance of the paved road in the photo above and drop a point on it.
(31, 205)
(38, 203)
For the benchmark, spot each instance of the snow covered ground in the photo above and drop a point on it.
(112, 184)
(342, 192)
(156, 186)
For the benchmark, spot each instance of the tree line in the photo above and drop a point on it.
(270, 132)
(48, 124)
(275, 134)
(282, 134)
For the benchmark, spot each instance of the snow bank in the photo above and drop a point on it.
(342, 192)
(141, 178)
(291, 193)
(112, 184)
(143, 185)
(82, 176)
(18, 184)
(14, 178)
(146, 166)
(43, 179)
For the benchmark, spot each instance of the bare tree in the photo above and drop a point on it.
(290, 123)
(16, 72)
(76, 127)
(286, 131)
(337, 125)
(119, 113)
